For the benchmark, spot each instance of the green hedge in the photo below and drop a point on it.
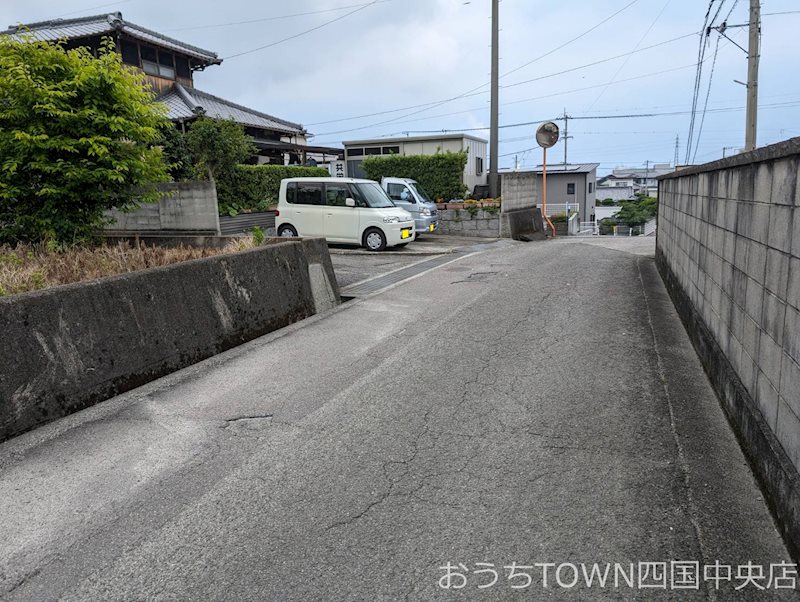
(256, 187)
(440, 175)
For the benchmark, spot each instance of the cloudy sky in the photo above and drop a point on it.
(393, 67)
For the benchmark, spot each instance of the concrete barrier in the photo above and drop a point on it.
(728, 249)
(70, 347)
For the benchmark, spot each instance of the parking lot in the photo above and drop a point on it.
(354, 264)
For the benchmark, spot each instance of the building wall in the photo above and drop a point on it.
(617, 193)
(187, 207)
(728, 249)
(431, 146)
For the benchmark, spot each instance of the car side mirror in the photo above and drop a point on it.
(350, 202)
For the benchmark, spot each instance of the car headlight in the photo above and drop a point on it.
(425, 211)
(391, 220)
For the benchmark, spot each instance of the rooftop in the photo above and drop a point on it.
(560, 168)
(396, 139)
(187, 103)
(83, 27)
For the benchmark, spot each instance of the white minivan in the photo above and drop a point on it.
(342, 210)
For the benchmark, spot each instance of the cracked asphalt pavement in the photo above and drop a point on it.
(532, 403)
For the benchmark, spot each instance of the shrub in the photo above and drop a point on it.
(256, 187)
(441, 175)
(558, 218)
(217, 146)
(78, 135)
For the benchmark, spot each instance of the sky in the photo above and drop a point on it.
(405, 67)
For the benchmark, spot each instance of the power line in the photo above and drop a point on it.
(628, 58)
(277, 18)
(83, 10)
(698, 78)
(431, 106)
(424, 107)
(302, 33)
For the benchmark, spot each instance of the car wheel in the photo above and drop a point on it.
(374, 240)
(287, 231)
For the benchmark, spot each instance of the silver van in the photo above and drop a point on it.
(409, 195)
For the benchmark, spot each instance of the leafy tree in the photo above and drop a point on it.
(218, 146)
(76, 138)
(176, 153)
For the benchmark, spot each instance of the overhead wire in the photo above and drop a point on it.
(302, 33)
(628, 58)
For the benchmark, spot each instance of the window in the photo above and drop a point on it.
(157, 62)
(373, 151)
(336, 195)
(166, 64)
(395, 191)
(478, 166)
(182, 68)
(371, 195)
(571, 188)
(391, 150)
(130, 53)
(304, 193)
(355, 152)
(591, 187)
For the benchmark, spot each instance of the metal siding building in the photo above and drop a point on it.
(474, 172)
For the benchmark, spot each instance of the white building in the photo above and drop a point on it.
(474, 172)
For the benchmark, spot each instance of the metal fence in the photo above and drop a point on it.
(245, 222)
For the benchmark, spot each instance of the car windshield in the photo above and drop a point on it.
(372, 195)
(421, 193)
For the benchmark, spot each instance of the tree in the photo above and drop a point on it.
(176, 153)
(218, 146)
(76, 138)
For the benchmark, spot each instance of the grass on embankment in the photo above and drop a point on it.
(28, 268)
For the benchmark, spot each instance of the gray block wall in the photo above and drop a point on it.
(460, 222)
(728, 247)
(186, 207)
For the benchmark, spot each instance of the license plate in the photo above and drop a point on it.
(405, 233)
(430, 228)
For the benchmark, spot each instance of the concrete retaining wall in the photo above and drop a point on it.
(73, 346)
(519, 191)
(461, 222)
(188, 206)
(728, 249)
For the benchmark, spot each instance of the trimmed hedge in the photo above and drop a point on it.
(256, 187)
(441, 175)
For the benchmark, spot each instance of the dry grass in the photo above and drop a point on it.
(28, 268)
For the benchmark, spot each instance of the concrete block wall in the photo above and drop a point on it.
(483, 224)
(519, 191)
(186, 207)
(728, 247)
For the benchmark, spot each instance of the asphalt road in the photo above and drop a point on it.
(535, 403)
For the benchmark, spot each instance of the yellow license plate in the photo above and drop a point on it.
(430, 228)
(405, 233)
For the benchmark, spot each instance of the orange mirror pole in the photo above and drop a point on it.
(544, 192)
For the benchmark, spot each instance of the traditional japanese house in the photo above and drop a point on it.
(170, 66)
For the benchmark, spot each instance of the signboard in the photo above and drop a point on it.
(337, 169)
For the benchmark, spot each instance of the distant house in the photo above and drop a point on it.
(642, 179)
(474, 172)
(169, 66)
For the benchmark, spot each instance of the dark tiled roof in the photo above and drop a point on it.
(188, 103)
(58, 29)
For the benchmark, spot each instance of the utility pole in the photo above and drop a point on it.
(753, 56)
(566, 136)
(516, 162)
(677, 146)
(646, 176)
(494, 137)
